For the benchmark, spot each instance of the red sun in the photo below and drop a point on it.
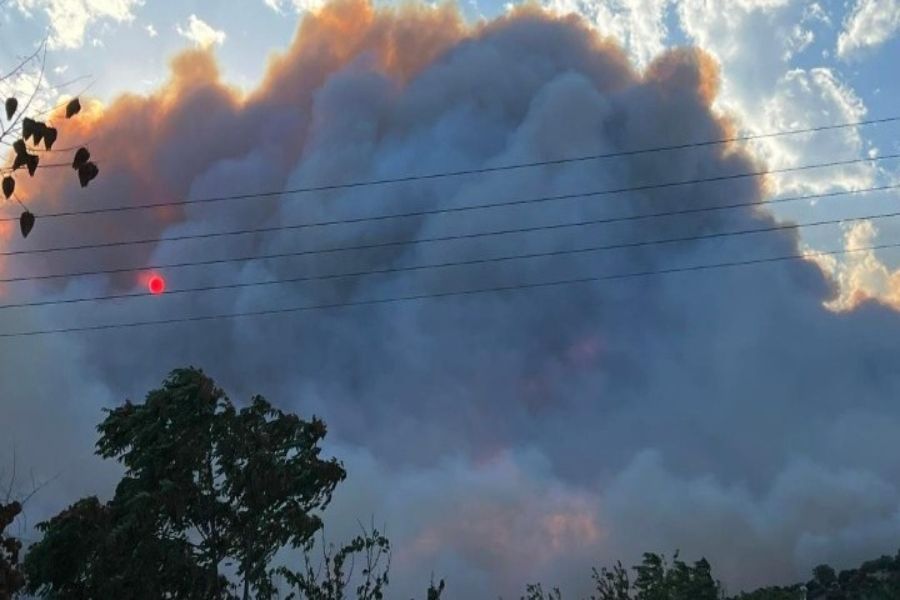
(157, 285)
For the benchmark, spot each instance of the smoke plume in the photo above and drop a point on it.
(504, 437)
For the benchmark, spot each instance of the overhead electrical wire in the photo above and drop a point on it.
(469, 262)
(447, 294)
(430, 176)
(295, 253)
(464, 172)
(273, 228)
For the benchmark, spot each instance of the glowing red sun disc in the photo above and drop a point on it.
(157, 285)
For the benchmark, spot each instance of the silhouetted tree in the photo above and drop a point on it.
(331, 578)
(534, 591)
(612, 584)
(204, 484)
(113, 550)
(11, 578)
(794, 592)
(655, 580)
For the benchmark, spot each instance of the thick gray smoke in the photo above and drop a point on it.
(505, 437)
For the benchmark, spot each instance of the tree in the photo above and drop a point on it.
(96, 550)
(31, 136)
(794, 592)
(329, 581)
(274, 480)
(12, 505)
(612, 585)
(11, 578)
(535, 591)
(205, 484)
(655, 580)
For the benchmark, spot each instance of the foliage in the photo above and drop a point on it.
(94, 550)
(656, 580)
(212, 490)
(11, 578)
(34, 138)
(794, 592)
(329, 581)
(534, 591)
(612, 584)
(205, 484)
(874, 580)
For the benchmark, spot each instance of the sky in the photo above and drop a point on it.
(503, 438)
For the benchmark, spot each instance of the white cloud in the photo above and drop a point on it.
(760, 87)
(201, 33)
(639, 25)
(871, 23)
(762, 90)
(298, 6)
(860, 274)
(29, 84)
(69, 19)
(808, 98)
(151, 31)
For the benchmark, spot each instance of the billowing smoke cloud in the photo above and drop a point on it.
(502, 437)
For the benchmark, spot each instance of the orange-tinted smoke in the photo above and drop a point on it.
(152, 148)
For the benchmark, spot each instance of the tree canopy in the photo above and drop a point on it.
(212, 491)
(205, 484)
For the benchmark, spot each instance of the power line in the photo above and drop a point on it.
(447, 294)
(470, 262)
(459, 173)
(270, 229)
(8, 170)
(295, 253)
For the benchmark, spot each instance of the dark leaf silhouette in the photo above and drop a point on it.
(81, 158)
(87, 172)
(73, 108)
(9, 186)
(19, 147)
(50, 136)
(32, 162)
(38, 132)
(12, 105)
(20, 161)
(23, 158)
(29, 127)
(26, 223)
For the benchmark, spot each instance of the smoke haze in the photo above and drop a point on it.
(503, 438)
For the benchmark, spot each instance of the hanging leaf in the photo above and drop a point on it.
(26, 223)
(50, 135)
(9, 186)
(81, 157)
(20, 161)
(32, 162)
(38, 132)
(23, 158)
(12, 105)
(73, 108)
(28, 127)
(87, 172)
